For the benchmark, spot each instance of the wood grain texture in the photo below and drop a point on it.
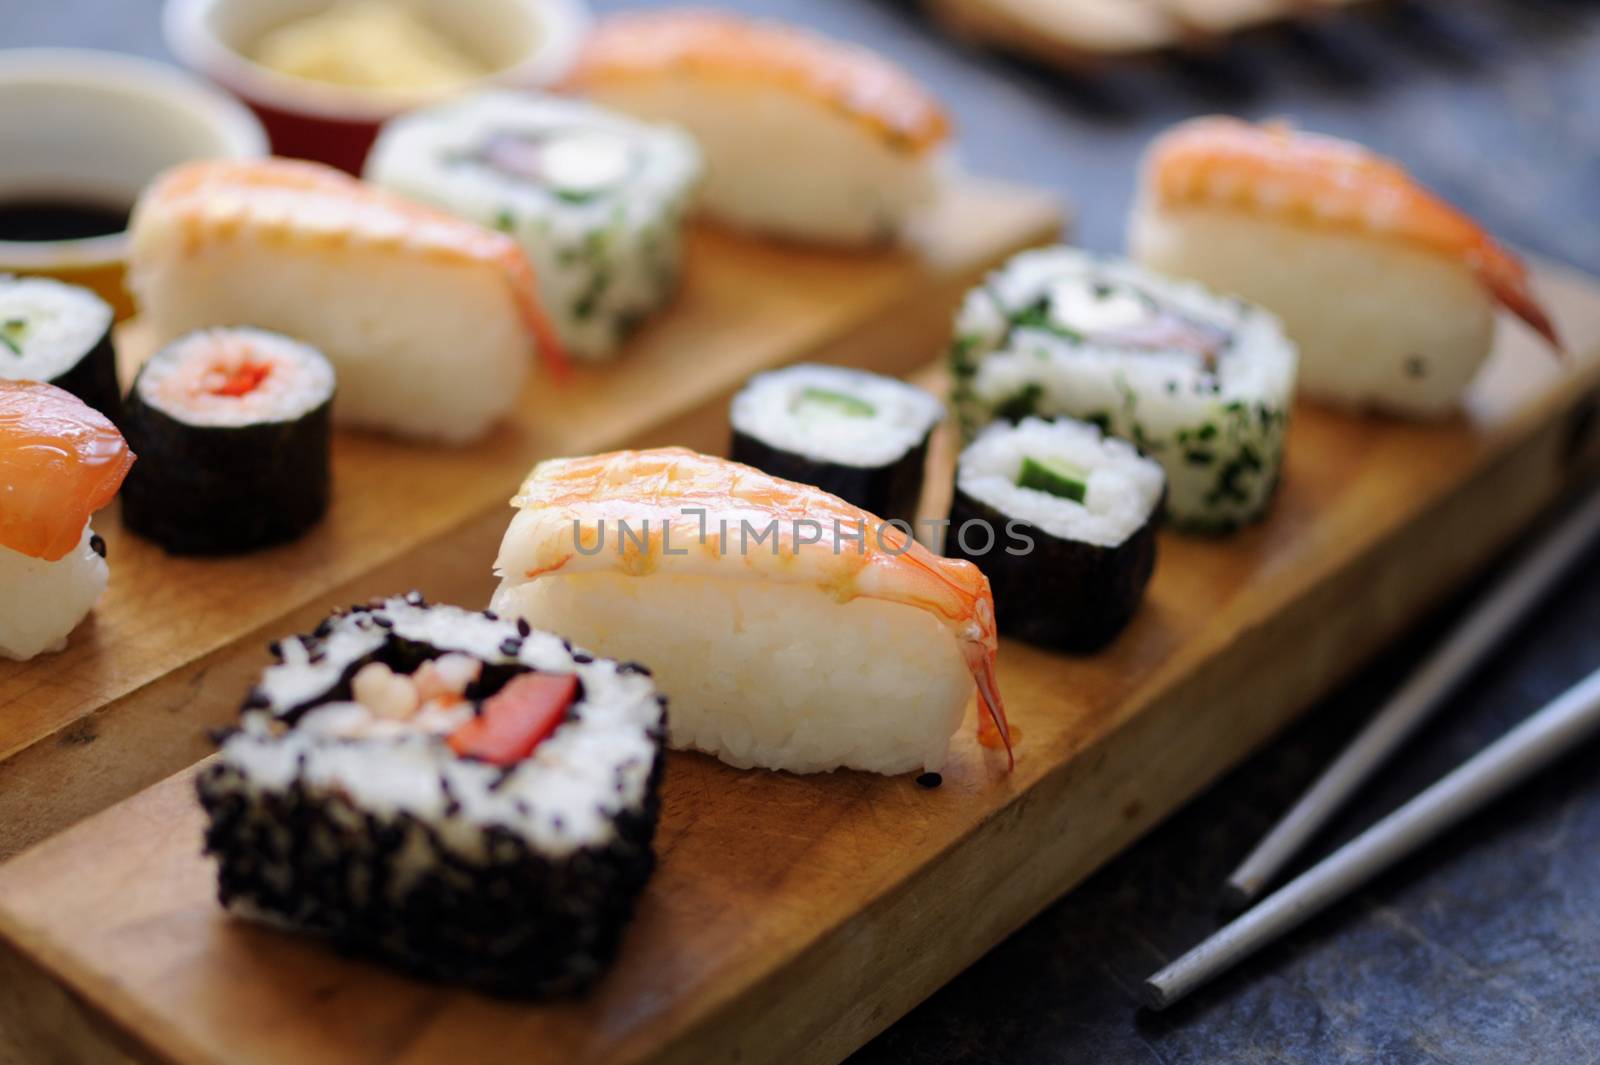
(792, 918)
(129, 700)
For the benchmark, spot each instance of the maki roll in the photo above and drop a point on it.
(1062, 520)
(857, 435)
(457, 795)
(60, 461)
(234, 426)
(595, 198)
(1201, 383)
(59, 334)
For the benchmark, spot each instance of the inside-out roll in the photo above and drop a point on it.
(1200, 382)
(595, 198)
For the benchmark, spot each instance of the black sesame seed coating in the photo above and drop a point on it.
(516, 923)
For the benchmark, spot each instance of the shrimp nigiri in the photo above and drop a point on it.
(60, 461)
(805, 137)
(1389, 291)
(427, 318)
(790, 629)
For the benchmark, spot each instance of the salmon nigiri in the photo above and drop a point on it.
(1389, 292)
(793, 630)
(429, 319)
(60, 461)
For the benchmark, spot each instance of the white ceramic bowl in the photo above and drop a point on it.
(526, 43)
(78, 124)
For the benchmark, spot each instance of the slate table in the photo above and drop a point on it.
(1486, 946)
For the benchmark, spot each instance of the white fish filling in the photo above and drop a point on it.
(563, 797)
(1201, 383)
(227, 378)
(597, 199)
(46, 327)
(1122, 488)
(789, 409)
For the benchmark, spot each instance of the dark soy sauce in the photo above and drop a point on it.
(39, 218)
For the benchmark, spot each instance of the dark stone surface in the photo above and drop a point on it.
(1486, 946)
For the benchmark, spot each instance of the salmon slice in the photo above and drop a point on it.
(60, 461)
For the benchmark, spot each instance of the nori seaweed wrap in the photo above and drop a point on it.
(1063, 523)
(233, 432)
(857, 435)
(59, 334)
(394, 787)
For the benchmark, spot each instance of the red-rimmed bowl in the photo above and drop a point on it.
(525, 43)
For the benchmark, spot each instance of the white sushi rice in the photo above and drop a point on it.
(45, 601)
(769, 674)
(771, 409)
(1122, 487)
(1380, 324)
(564, 797)
(779, 162)
(46, 327)
(599, 209)
(1031, 341)
(179, 379)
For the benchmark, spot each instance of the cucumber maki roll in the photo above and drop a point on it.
(59, 334)
(857, 435)
(446, 791)
(233, 429)
(1062, 520)
(1201, 383)
(597, 200)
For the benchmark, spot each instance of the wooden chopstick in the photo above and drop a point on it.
(1511, 599)
(1523, 751)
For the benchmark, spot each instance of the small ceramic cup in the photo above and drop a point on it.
(95, 127)
(525, 43)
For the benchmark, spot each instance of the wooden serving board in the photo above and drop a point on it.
(166, 652)
(792, 918)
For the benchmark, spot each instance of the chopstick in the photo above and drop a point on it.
(1523, 751)
(1512, 597)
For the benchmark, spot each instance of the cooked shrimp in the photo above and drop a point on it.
(319, 207)
(708, 44)
(60, 461)
(688, 506)
(1274, 169)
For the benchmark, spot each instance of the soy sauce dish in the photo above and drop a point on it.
(84, 132)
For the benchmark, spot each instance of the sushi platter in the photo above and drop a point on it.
(527, 590)
(129, 701)
(792, 917)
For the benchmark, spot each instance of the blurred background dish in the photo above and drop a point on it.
(85, 131)
(324, 74)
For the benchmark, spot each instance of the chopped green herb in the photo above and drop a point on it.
(838, 404)
(504, 220)
(1055, 477)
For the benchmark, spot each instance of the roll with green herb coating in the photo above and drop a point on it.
(597, 200)
(1201, 383)
(59, 334)
(1062, 520)
(233, 430)
(860, 436)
